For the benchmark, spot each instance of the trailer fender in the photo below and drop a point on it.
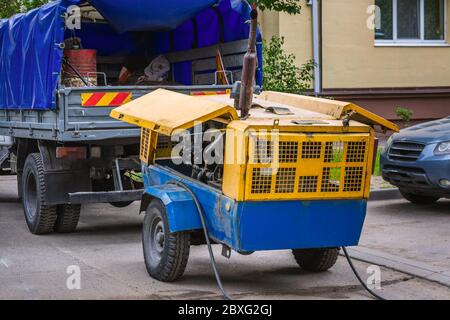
(181, 210)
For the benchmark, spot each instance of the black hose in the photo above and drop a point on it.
(208, 241)
(359, 277)
(213, 260)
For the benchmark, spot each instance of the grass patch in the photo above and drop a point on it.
(377, 170)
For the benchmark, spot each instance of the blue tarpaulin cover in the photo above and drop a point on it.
(31, 55)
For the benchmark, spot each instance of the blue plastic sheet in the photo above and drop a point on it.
(31, 56)
(30, 59)
(136, 15)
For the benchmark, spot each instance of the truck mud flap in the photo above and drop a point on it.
(105, 197)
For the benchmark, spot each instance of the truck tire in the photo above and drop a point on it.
(68, 217)
(418, 199)
(316, 260)
(165, 254)
(20, 186)
(39, 216)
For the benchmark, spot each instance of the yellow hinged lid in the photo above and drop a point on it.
(336, 109)
(165, 111)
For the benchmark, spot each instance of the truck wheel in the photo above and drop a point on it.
(418, 199)
(316, 260)
(20, 186)
(68, 216)
(40, 217)
(166, 255)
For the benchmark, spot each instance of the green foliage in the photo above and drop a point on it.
(281, 72)
(10, 7)
(404, 113)
(377, 169)
(288, 6)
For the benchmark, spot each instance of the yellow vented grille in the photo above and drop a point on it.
(145, 144)
(298, 166)
(164, 147)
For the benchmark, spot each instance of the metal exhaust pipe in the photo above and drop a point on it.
(249, 68)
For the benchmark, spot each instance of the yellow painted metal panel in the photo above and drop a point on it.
(336, 109)
(235, 164)
(303, 166)
(165, 111)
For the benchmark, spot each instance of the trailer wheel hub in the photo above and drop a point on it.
(158, 237)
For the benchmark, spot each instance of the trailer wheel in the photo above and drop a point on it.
(418, 199)
(121, 204)
(316, 260)
(40, 217)
(68, 217)
(166, 255)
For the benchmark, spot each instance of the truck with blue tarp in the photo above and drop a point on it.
(65, 65)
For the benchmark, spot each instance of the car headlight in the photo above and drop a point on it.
(442, 148)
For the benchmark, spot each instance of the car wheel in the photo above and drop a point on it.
(418, 199)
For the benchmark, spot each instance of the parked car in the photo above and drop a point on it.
(417, 161)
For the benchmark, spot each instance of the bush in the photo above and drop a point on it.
(281, 72)
(9, 8)
(404, 113)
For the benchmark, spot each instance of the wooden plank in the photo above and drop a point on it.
(208, 52)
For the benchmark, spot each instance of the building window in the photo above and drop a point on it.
(410, 21)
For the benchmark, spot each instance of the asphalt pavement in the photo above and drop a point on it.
(107, 251)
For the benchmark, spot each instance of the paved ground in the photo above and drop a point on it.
(107, 249)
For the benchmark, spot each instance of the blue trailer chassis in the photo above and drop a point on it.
(254, 226)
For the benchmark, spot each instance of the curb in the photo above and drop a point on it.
(385, 194)
(407, 266)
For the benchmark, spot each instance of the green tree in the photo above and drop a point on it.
(281, 72)
(10, 7)
(288, 6)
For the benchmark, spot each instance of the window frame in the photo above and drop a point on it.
(422, 40)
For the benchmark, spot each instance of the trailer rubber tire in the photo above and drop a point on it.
(121, 204)
(165, 254)
(68, 217)
(418, 199)
(316, 260)
(39, 216)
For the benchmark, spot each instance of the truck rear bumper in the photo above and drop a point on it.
(105, 197)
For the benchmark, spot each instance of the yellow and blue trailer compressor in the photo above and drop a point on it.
(294, 173)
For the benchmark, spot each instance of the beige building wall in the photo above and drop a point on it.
(296, 29)
(350, 57)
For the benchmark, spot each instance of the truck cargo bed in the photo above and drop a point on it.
(71, 122)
